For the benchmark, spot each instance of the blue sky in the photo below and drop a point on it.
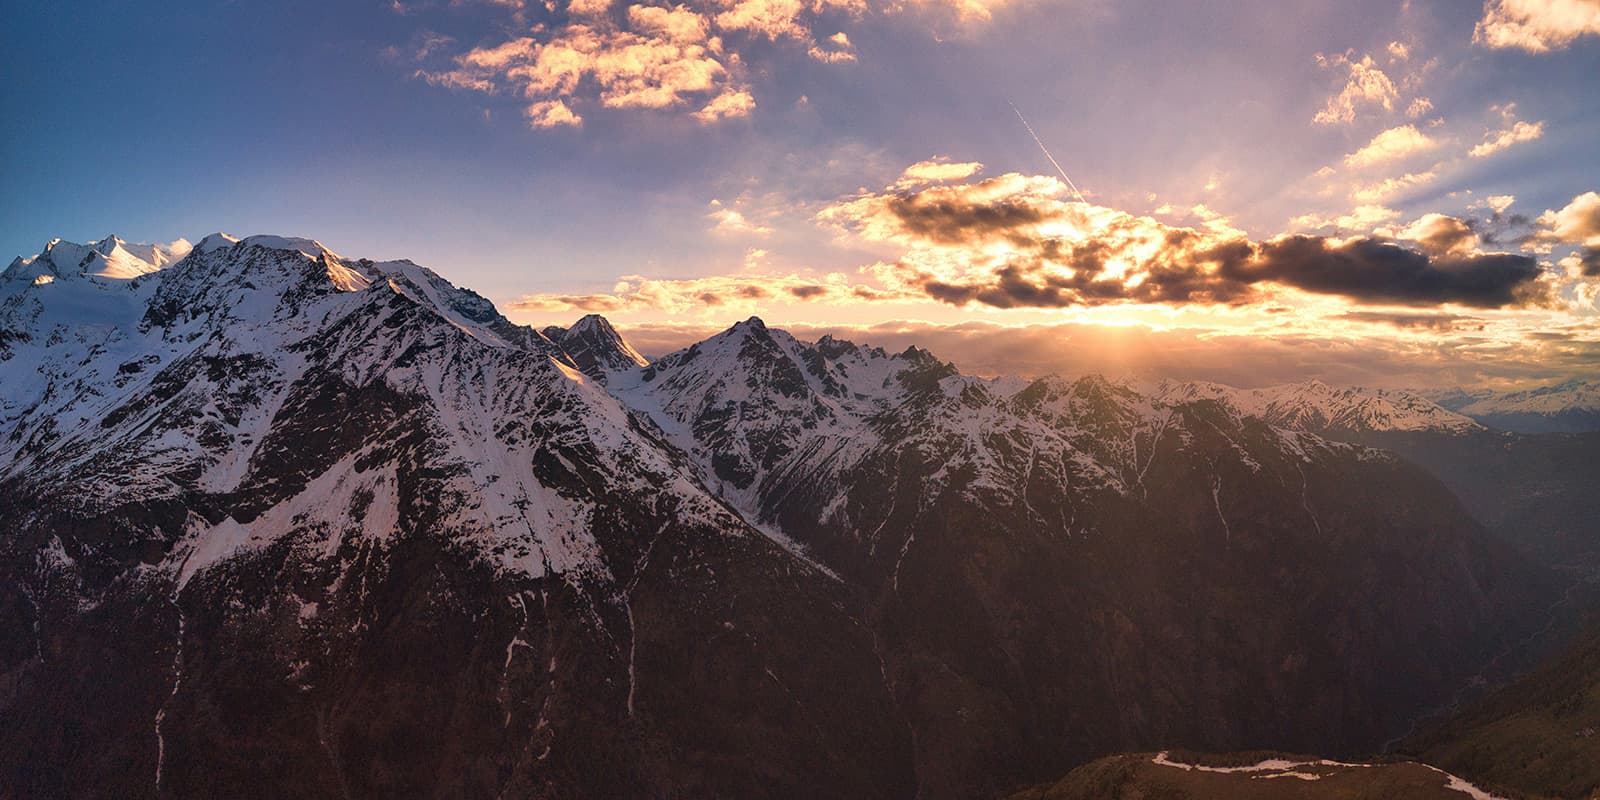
(374, 127)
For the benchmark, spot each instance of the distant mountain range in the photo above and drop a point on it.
(1571, 407)
(277, 518)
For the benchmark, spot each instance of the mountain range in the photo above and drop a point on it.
(281, 522)
(1570, 407)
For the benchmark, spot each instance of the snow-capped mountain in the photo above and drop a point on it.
(1315, 406)
(1570, 407)
(595, 347)
(275, 516)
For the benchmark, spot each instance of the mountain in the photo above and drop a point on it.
(595, 347)
(280, 518)
(1540, 734)
(1315, 406)
(110, 258)
(964, 506)
(1571, 407)
(1533, 490)
(334, 527)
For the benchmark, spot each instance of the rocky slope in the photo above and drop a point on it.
(279, 521)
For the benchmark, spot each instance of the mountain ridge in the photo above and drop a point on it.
(276, 472)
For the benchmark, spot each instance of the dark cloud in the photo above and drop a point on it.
(1375, 270)
(1437, 322)
(1504, 229)
(808, 292)
(1439, 234)
(1589, 262)
(1187, 272)
(950, 218)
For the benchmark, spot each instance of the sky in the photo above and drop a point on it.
(1394, 193)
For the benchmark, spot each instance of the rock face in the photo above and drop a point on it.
(281, 522)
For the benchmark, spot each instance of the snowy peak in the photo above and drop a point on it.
(1570, 407)
(110, 259)
(1316, 406)
(155, 256)
(216, 241)
(596, 347)
(310, 248)
(266, 277)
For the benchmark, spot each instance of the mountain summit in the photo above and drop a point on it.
(596, 347)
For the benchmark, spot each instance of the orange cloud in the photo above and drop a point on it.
(1500, 140)
(688, 56)
(635, 292)
(1391, 145)
(1013, 242)
(1576, 223)
(1366, 84)
(1536, 26)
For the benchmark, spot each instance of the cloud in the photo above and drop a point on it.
(663, 63)
(1377, 271)
(1536, 26)
(963, 11)
(651, 58)
(1366, 84)
(1360, 219)
(838, 49)
(731, 221)
(551, 114)
(1589, 262)
(1576, 223)
(936, 170)
(1413, 320)
(1500, 140)
(1498, 203)
(1389, 187)
(1441, 235)
(1390, 145)
(778, 19)
(1013, 242)
(678, 296)
(730, 104)
(693, 56)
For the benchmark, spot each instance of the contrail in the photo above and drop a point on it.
(1046, 150)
